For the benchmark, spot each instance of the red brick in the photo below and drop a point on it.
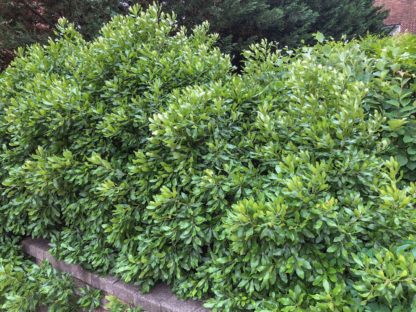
(402, 12)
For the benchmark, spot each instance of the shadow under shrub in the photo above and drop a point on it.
(142, 154)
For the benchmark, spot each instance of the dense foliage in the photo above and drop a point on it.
(141, 154)
(25, 286)
(239, 23)
(388, 68)
(24, 22)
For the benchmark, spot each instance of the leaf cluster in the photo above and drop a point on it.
(25, 286)
(387, 67)
(142, 154)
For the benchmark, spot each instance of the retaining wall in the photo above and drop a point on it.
(160, 299)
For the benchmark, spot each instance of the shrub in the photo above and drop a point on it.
(89, 299)
(388, 67)
(239, 23)
(393, 91)
(141, 154)
(25, 286)
(24, 22)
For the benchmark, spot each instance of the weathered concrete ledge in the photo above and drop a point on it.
(160, 299)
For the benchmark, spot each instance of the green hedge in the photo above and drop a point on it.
(143, 155)
(388, 68)
(25, 286)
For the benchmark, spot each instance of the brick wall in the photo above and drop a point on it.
(402, 12)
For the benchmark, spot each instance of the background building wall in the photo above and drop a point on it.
(402, 12)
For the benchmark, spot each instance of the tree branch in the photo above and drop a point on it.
(27, 5)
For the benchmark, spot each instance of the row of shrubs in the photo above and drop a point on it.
(281, 188)
(25, 286)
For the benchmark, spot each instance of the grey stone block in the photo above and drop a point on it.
(159, 293)
(124, 292)
(173, 304)
(107, 283)
(160, 299)
(152, 301)
(94, 280)
(65, 267)
(51, 259)
(78, 272)
(79, 284)
(34, 248)
(203, 310)
(42, 244)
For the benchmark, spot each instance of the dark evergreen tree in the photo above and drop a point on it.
(289, 22)
(242, 22)
(347, 17)
(238, 22)
(24, 22)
